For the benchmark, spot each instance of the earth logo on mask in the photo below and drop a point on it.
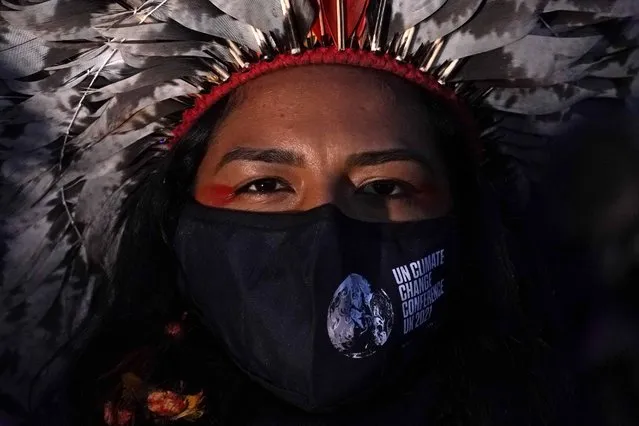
(359, 320)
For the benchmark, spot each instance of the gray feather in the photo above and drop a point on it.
(36, 252)
(452, 15)
(101, 159)
(202, 16)
(613, 8)
(55, 19)
(175, 49)
(122, 106)
(564, 21)
(496, 24)
(169, 70)
(553, 58)
(543, 125)
(149, 32)
(623, 64)
(405, 14)
(537, 100)
(23, 54)
(66, 77)
(266, 15)
(54, 107)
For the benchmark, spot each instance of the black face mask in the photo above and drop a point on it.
(317, 307)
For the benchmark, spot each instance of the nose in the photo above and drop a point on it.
(341, 192)
(327, 190)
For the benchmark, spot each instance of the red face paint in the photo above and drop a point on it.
(215, 195)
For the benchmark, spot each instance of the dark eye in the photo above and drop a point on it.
(264, 186)
(385, 188)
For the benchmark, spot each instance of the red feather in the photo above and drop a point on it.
(354, 18)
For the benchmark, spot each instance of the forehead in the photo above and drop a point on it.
(349, 104)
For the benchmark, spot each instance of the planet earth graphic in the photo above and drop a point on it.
(359, 319)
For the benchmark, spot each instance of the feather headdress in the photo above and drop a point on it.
(90, 91)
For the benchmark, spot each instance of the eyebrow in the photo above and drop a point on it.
(376, 158)
(277, 156)
(290, 158)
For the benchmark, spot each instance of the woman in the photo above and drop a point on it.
(380, 151)
(315, 245)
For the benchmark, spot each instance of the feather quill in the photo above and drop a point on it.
(355, 17)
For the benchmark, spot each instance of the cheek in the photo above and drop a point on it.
(214, 195)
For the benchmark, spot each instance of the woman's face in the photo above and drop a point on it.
(307, 136)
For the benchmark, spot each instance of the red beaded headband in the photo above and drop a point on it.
(326, 55)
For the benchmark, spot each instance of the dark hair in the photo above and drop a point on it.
(486, 334)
